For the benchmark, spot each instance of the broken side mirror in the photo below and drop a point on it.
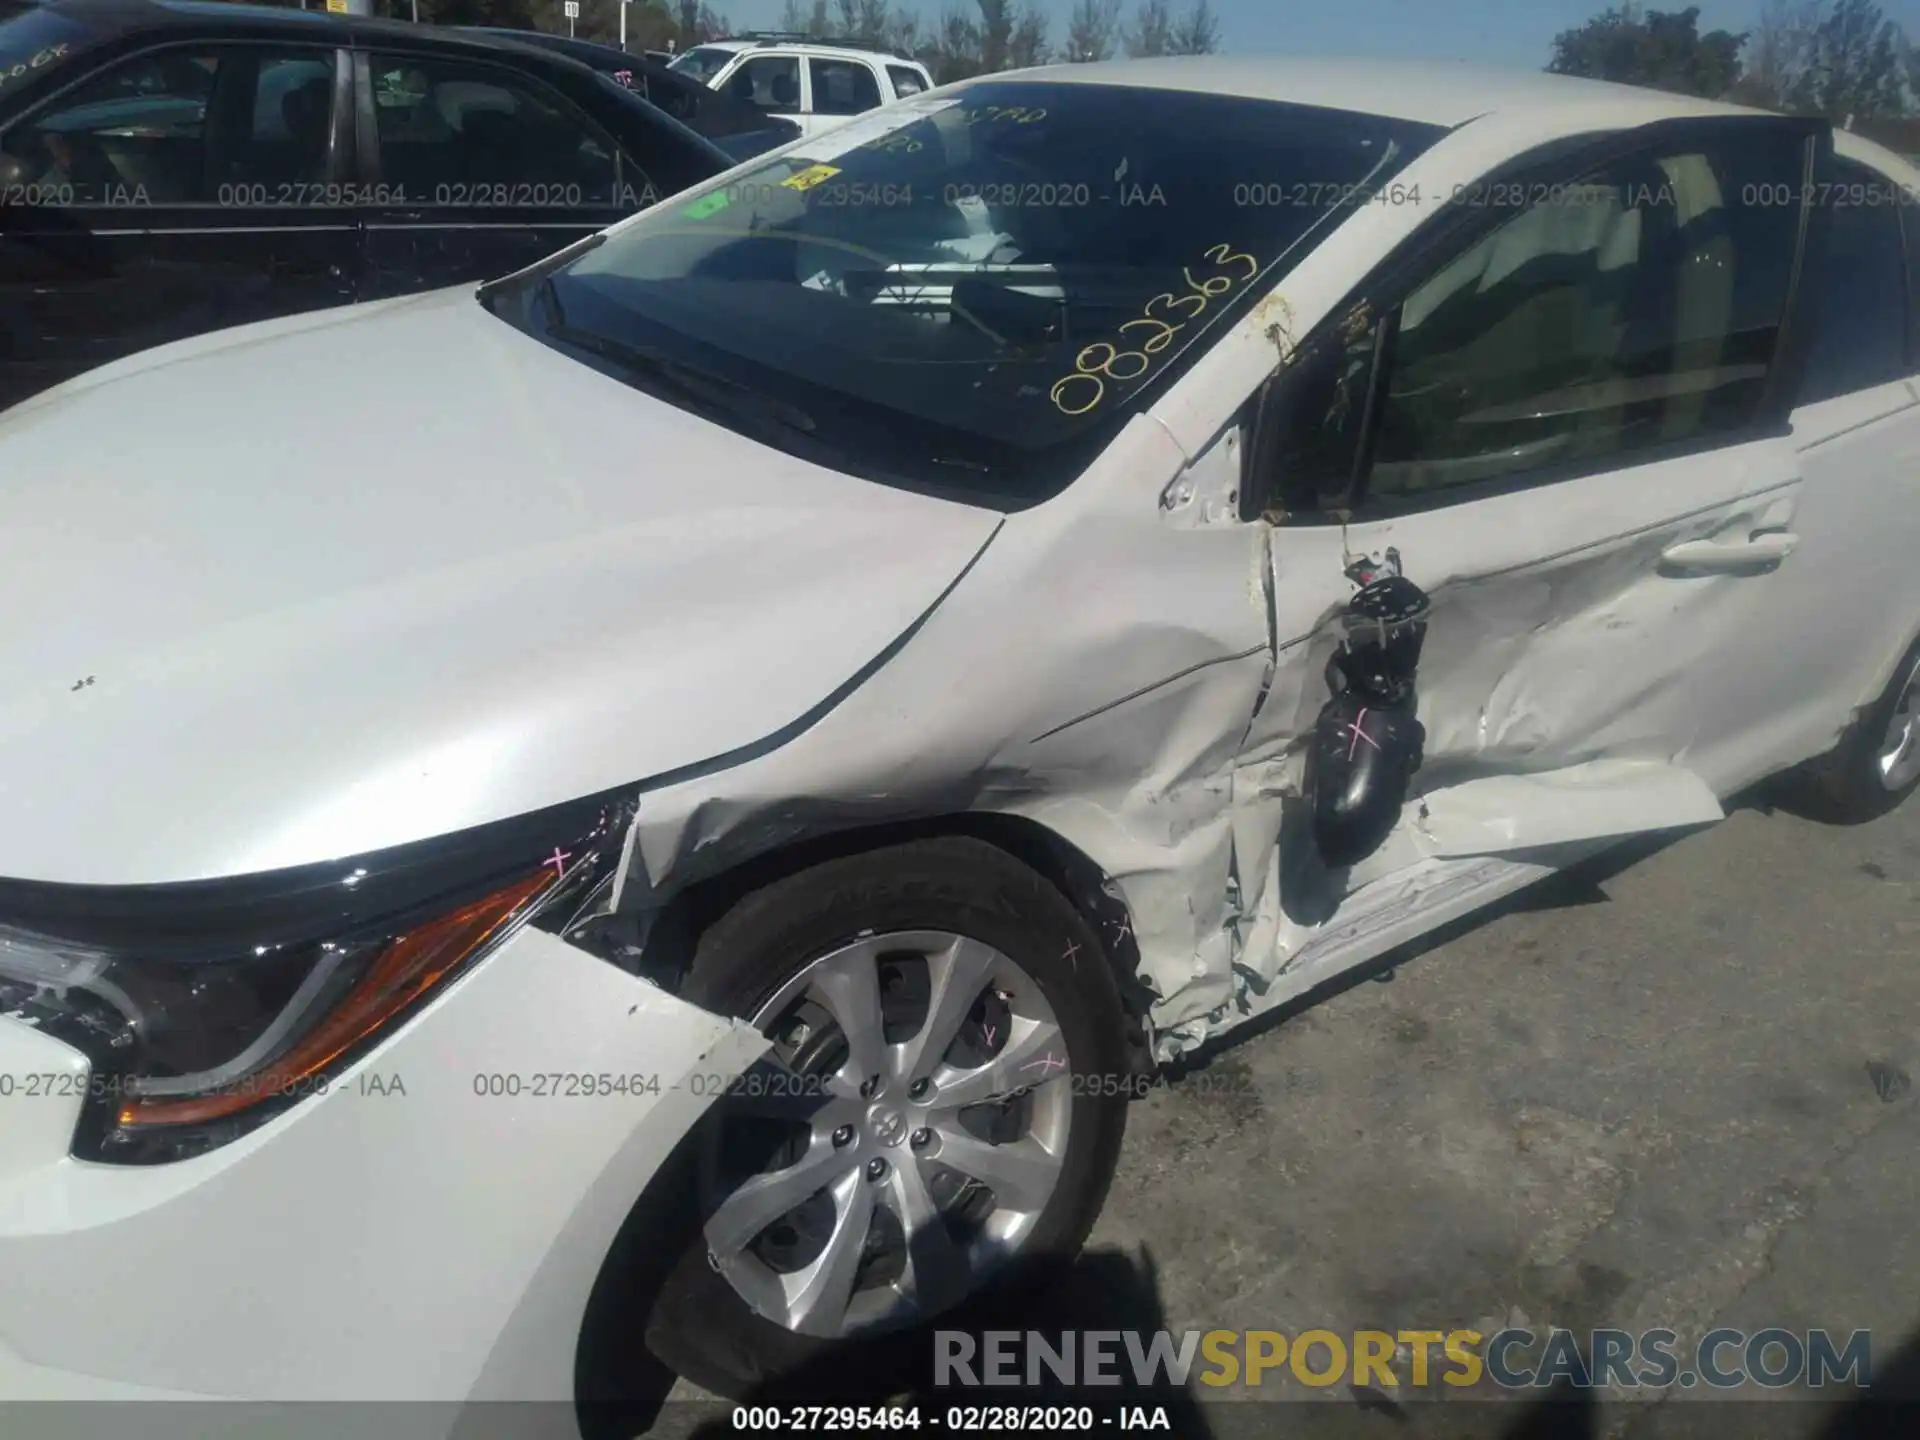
(1368, 741)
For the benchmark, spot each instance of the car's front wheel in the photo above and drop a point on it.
(935, 1109)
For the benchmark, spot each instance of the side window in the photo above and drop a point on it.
(770, 82)
(1638, 307)
(134, 135)
(232, 125)
(1859, 333)
(905, 82)
(843, 87)
(283, 139)
(452, 133)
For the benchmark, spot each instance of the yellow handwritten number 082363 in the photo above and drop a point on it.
(1092, 370)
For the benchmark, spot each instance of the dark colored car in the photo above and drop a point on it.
(740, 129)
(169, 167)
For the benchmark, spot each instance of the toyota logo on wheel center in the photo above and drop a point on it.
(889, 1126)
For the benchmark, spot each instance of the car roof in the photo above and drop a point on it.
(1852, 145)
(586, 50)
(1427, 92)
(812, 47)
(159, 16)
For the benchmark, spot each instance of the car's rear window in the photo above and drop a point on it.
(703, 63)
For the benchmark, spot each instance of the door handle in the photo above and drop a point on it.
(1764, 548)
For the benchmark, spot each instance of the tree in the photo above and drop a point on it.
(867, 21)
(1777, 52)
(996, 32)
(1852, 65)
(811, 21)
(903, 33)
(1027, 42)
(1833, 58)
(1661, 49)
(1198, 32)
(1152, 30)
(1093, 33)
(954, 52)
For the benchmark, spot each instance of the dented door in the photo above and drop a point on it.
(1564, 425)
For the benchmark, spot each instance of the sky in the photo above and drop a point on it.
(1515, 33)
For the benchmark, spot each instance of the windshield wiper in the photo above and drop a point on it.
(714, 392)
(517, 282)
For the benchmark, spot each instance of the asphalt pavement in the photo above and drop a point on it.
(1673, 1089)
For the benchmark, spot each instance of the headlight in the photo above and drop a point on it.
(208, 1007)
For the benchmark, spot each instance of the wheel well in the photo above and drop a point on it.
(688, 913)
(618, 1385)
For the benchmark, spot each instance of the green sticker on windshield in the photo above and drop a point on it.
(710, 204)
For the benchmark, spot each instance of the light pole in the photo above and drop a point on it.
(623, 24)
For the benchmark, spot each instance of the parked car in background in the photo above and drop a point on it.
(740, 129)
(173, 167)
(818, 84)
(770, 725)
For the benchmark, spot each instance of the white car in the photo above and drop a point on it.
(789, 709)
(814, 83)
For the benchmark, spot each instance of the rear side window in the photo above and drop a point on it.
(906, 82)
(1860, 333)
(1634, 309)
(275, 115)
(843, 87)
(768, 82)
(457, 134)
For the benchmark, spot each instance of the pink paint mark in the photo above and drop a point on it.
(1359, 734)
(1072, 953)
(558, 860)
(990, 1032)
(1045, 1063)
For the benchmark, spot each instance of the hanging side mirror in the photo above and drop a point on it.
(1368, 741)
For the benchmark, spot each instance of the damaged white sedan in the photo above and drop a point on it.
(798, 701)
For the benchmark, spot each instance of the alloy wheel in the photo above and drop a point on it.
(1898, 759)
(902, 1143)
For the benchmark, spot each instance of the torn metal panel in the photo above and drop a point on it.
(1095, 675)
(1599, 799)
(1559, 688)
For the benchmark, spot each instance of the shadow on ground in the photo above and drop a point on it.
(1099, 1290)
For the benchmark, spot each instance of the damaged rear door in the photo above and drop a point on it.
(1553, 426)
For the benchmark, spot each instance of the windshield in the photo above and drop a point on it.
(31, 40)
(970, 293)
(703, 63)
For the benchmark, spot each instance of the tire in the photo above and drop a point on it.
(1859, 781)
(836, 920)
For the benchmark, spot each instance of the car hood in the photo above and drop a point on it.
(315, 587)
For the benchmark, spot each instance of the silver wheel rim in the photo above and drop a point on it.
(1899, 757)
(920, 1156)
